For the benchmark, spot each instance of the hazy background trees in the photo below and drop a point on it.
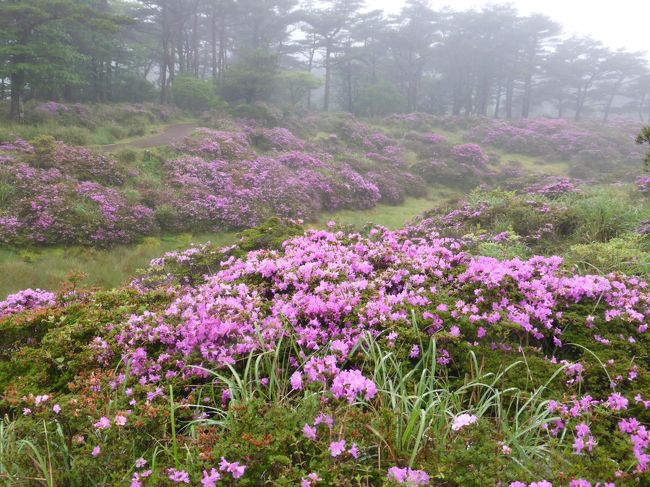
(329, 55)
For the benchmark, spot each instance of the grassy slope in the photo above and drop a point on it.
(49, 268)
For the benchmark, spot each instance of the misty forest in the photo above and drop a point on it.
(314, 243)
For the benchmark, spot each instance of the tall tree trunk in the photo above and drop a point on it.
(164, 64)
(579, 104)
(525, 108)
(528, 82)
(484, 97)
(610, 100)
(16, 111)
(497, 104)
(213, 45)
(328, 76)
(221, 65)
(195, 40)
(348, 82)
(310, 66)
(510, 91)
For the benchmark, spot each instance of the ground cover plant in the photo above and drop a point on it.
(213, 180)
(335, 357)
(240, 172)
(298, 243)
(500, 338)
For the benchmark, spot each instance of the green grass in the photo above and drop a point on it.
(535, 165)
(392, 217)
(49, 268)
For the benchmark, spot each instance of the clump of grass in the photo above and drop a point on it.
(49, 268)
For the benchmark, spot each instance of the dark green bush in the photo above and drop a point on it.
(192, 94)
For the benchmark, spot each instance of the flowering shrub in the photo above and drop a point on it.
(558, 139)
(221, 319)
(471, 154)
(46, 207)
(26, 300)
(643, 184)
(277, 138)
(288, 351)
(553, 188)
(214, 143)
(218, 182)
(407, 476)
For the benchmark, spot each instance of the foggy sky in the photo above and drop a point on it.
(620, 23)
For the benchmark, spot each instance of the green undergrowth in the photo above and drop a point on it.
(49, 268)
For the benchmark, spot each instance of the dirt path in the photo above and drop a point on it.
(170, 134)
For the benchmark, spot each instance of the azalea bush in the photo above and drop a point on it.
(546, 217)
(382, 356)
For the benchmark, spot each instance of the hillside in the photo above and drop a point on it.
(498, 338)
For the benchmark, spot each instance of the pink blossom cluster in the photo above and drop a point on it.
(350, 384)
(640, 437)
(471, 154)
(334, 287)
(216, 143)
(463, 420)
(26, 299)
(643, 184)
(553, 187)
(219, 194)
(547, 137)
(276, 138)
(62, 204)
(407, 476)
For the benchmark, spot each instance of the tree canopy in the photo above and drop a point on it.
(488, 62)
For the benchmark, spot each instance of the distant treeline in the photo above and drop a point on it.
(328, 55)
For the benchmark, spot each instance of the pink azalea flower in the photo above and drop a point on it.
(310, 432)
(178, 476)
(463, 420)
(336, 448)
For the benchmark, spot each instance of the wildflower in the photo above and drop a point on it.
(336, 448)
(354, 451)
(120, 420)
(178, 476)
(296, 381)
(325, 419)
(56, 408)
(350, 383)
(505, 449)
(541, 483)
(311, 479)
(617, 402)
(96, 451)
(39, 399)
(103, 423)
(411, 478)
(135, 480)
(140, 462)
(27, 411)
(310, 432)
(234, 468)
(415, 351)
(463, 420)
(210, 478)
